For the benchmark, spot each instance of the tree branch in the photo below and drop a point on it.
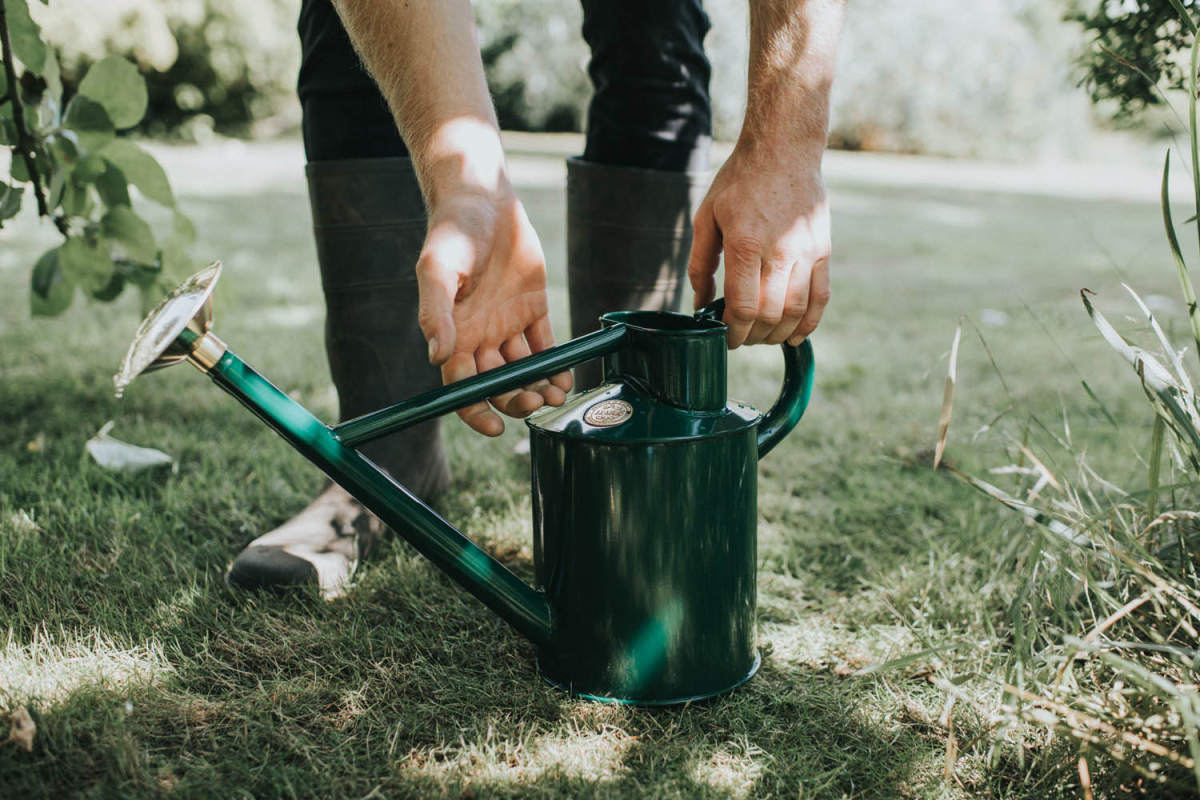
(25, 143)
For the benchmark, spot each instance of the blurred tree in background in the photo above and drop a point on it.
(209, 64)
(1136, 47)
(992, 78)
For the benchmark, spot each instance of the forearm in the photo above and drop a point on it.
(793, 50)
(425, 57)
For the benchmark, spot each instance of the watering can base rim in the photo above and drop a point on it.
(624, 701)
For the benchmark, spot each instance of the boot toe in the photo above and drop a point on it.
(270, 567)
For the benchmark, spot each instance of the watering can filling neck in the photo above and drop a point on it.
(677, 359)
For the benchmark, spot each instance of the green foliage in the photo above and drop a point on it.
(82, 173)
(1133, 51)
(114, 84)
(25, 36)
(208, 64)
(991, 81)
(1105, 648)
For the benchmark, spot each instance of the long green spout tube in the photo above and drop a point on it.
(438, 402)
(464, 561)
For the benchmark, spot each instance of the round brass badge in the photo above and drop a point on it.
(608, 413)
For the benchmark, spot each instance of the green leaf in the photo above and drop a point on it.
(25, 35)
(114, 288)
(58, 182)
(8, 131)
(50, 292)
(182, 229)
(17, 169)
(44, 118)
(10, 201)
(115, 83)
(112, 187)
(64, 148)
(52, 74)
(89, 122)
(145, 276)
(1185, 280)
(76, 201)
(88, 169)
(88, 266)
(131, 232)
(140, 169)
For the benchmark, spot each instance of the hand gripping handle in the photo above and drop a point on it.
(789, 407)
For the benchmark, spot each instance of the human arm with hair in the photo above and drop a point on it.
(766, 209)
(481, 272)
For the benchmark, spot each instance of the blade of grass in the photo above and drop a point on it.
(1155, 378)
(948, 397)
(1185, 281)
(1195, 64)
(1156, 450)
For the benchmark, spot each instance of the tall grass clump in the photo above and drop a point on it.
(1104, 624)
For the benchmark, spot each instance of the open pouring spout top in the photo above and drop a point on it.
(183, 317)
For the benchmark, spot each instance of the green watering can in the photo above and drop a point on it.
(644, 493)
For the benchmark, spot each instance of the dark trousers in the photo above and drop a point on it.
(650, 108)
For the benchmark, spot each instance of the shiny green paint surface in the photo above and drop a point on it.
(645, 531)
(798, 372)
(647, 552)
(480, 574)
(677, 359)
(463, 393)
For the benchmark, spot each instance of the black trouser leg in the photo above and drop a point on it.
(369, 223)
(632, 196)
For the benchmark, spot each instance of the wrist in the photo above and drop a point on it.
(462, 157)
(782, 150)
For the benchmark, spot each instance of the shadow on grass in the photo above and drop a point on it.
(406, 687)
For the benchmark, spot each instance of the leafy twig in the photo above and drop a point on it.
(24, 142)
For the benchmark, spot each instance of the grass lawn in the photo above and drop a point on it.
(146, 677)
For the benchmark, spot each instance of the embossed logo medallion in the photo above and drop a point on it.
(607, 413)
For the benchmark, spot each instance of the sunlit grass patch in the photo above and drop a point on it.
(49, 668)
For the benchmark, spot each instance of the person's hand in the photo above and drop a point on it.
(769, 214)
(482, 281)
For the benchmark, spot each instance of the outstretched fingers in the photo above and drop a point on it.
(540, 336)
(438, 270)
(479, 416)
(516, 403)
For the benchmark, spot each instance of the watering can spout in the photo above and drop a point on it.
(179, 329)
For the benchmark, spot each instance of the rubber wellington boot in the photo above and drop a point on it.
(629, 234)
(369, 223)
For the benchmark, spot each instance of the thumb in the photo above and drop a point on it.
(705, 255)
(436, 287)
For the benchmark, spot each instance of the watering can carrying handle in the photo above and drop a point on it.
(789, 407)
(778, 423)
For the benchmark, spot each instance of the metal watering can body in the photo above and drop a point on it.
(644, 493)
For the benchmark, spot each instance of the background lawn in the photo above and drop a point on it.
(146, 677)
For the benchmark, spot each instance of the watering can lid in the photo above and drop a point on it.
(624, 413)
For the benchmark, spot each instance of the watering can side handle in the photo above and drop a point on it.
(793, 397)
(789, 407)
